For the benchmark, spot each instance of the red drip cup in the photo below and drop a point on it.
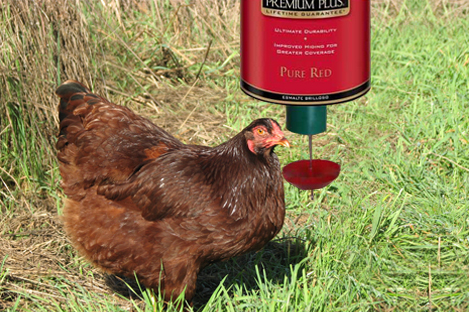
(305, 177)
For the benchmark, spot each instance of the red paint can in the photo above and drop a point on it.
(305, 52)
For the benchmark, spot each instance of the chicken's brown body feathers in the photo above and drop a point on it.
(141, 202)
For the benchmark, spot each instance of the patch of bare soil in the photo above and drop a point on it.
(189, 113)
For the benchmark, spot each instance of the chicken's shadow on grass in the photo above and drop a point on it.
(273, 263)
(124, 286)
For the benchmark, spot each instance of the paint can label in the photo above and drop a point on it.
(305, 52)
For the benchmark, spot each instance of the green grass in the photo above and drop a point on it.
(392, 232)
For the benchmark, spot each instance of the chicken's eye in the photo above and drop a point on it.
(260, 131)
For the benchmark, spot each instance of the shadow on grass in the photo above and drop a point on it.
(274, 259)
(124, 286)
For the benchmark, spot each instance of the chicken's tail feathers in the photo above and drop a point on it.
(70, 87)
(72, 93)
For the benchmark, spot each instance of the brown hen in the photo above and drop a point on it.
(141, 202)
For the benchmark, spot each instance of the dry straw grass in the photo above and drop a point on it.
(152, 67)
(48, 42)
(145, 66)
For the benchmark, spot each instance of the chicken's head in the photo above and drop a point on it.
(263, 134)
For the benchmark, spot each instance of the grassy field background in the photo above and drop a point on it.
(390, 234)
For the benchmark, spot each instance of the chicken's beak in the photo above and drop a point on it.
(284, 142)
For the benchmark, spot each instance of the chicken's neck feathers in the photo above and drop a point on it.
(235, 172)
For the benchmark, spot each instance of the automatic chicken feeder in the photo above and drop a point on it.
(306, 55)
